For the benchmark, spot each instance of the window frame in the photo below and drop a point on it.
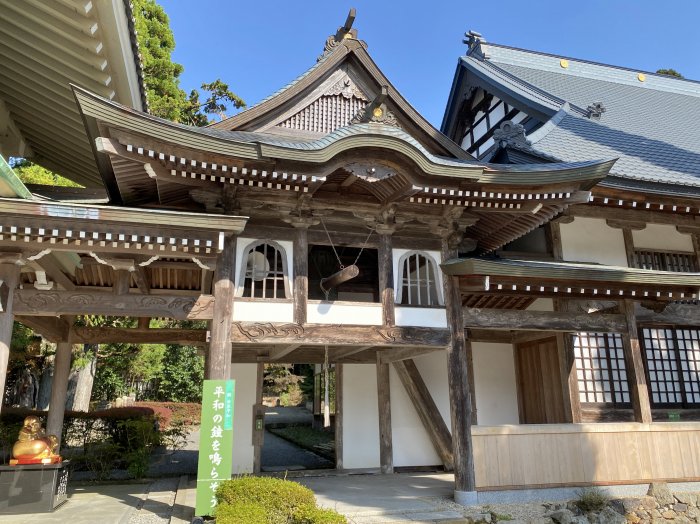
(664, 255)
(685, 387)
(240, 289)
(400, 280)
(621, 365)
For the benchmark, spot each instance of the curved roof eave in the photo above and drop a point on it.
(263, 147)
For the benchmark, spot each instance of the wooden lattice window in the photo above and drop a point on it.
(264, 271)
(418, 283)
(600, 369)
(679, 262)
(672, 358)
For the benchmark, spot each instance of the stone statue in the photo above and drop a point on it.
(33, 446)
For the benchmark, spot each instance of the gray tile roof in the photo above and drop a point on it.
(652, 126)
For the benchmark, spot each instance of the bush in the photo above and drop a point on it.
(314, 515)
(281, 501)
(591, 499)
(241, 513)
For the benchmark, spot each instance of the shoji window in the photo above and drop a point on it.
(600, 368)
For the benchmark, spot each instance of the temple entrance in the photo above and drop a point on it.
(299, 432)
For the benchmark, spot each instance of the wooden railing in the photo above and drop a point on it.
(583, 454)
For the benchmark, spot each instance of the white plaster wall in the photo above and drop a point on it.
(396, 256)
(411, 443)
(542, 304)
(242, 244)
(494, 380)
(263, 311)
(420, 316)
(348, 313)
(245, 376)
(360, 416)
(658, 236)
(591, 240)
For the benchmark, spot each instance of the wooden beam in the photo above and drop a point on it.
(220, 344)
(301, 274)
(341, 353)
(629, 246)
(142, 281)
(390, 355)
(112, 335)
(122, 280)
(53, 270)
(542, 320)
(678, 314)
(271, 333)
(639, 391)
(427, 410)
(459, 380)
(53, 329)
(281, 351)
(386, 449)
(55, 303)
(386, 279)
(633, 215)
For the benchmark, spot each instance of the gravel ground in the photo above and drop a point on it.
(157, 508)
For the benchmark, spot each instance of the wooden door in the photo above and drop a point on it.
(540, 398)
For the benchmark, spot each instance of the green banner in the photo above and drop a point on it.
(215, 442)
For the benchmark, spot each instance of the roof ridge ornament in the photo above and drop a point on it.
(510, 133)
(343, 32)
(473, 39)
(376, 111)
(596, 110)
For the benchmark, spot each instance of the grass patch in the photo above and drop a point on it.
(591, 499)
(320, 442)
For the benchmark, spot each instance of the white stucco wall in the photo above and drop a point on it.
(344, 313)
(494, 378)
(262, 311)
(591, 240)
(411, 443)
(420, 316)
(542, 304)
(658, 236)
(245, 376)
(360, 416)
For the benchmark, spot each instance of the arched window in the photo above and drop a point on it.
(418, 283)
(264, 271)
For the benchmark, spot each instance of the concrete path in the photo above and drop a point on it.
(288, 415)
(280, 455)
(375, 499)
(90, 504)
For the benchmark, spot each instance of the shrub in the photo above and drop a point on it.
(314, 515)
(278, 497)
(241, 513)
(591, 499)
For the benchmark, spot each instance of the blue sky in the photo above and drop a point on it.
(257, 47)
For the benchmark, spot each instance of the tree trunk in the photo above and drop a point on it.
(45, 382)
(80, 385)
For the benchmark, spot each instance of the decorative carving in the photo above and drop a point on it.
(345, 31)
(347, 88)
(596, 110)
(255, 332)
(473, 39)
(385, 222)
(127, 264)
(379, 115)
(402, 336)
(510, 133)
(29, 302)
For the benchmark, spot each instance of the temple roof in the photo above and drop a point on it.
(647, 120)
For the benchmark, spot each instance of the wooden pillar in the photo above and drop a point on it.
(567, 369)
(122, 281)
(9, 275)
(219, 361)
(386, 279)
(639, 391)
(386, 449)
(629, 246)
(339, 416)
(459, 384)
(59, 386)
(301, 272)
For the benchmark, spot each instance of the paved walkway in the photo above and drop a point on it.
(281, 455)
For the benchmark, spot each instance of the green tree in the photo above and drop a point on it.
(162, 76)
(182, 375)
(669, 72)
(31, 173)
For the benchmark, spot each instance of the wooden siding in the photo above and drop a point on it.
(581, 454)
(326, 114)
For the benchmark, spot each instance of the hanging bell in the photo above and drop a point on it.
(333, 281)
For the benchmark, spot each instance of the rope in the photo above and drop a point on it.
(332, 245)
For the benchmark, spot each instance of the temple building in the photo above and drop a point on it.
(511, 298)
